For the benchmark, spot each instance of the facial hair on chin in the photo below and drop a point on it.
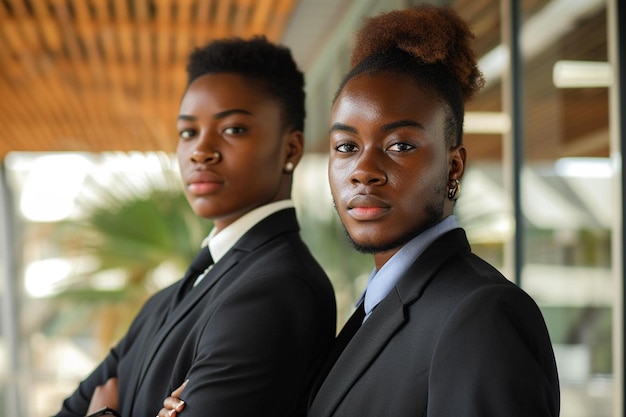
(433, 214)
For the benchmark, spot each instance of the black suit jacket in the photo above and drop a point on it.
(249, 337)
(454, 338)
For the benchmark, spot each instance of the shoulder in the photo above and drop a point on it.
(497, 318)
(502, 301)
(281, 273)
(465, 282)
(286, 259)
(491, 344)
(465, 290)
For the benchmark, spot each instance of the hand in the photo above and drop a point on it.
(104, 396)
(173, 405)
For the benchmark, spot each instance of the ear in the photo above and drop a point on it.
(294, 147)
(456, 162)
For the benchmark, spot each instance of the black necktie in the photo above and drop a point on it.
(345, 335)
(202, 261)
(349, 329)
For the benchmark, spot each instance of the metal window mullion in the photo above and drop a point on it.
(513, 146)
(616, 38)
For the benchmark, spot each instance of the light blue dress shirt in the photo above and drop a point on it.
(381, 282)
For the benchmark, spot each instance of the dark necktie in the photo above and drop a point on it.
(202, 261)
(345, 335)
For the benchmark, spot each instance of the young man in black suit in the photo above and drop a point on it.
(439, 332)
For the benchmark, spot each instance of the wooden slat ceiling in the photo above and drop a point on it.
(101, 75)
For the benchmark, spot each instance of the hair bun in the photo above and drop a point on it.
(431, 34)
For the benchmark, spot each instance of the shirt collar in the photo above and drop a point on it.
(382, 281)
(222, 242)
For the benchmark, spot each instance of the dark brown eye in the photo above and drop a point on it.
(345, 148)
(400, 147)
(235, 130)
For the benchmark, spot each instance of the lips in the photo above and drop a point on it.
(202, 183)
(367, 207)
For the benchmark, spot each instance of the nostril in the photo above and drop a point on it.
(215, 157)
(206, 157)
(198, 156)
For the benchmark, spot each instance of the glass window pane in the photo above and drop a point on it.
(484, 209)
(566, 191)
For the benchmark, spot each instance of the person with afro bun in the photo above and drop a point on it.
(439, 332)
(247, 327)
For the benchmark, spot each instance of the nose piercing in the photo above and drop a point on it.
(217, 156)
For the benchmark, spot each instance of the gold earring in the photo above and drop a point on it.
(454, 190)
(289, 167)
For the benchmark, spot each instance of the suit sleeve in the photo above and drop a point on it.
(77, 404)
(253, 353)
(494, 358)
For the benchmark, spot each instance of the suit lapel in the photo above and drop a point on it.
(412, 284)
(196, 294)
(359, 354)
(341, 341)
(182, 309)
(275, 224)
(385, 320)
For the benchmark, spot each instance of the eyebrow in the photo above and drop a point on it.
(402, 123)
(219, 115)
(386, 128)
(341, 126)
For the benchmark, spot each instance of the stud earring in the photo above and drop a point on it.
(454, 190)
(289, 167)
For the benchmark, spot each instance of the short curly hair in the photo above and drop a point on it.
(431, 44)
(270, 65)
